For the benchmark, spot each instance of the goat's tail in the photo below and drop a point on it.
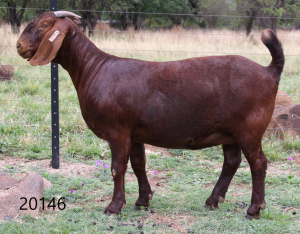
(271, 41)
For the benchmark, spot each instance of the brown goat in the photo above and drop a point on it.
(188, 104)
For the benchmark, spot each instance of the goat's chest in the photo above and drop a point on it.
(99, 113)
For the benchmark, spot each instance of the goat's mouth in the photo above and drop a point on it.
(27, 54)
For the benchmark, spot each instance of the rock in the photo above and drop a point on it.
(296, 158)
(285, 120)
(6, 72)
(7, 182)
(29, 187)
(8, 217)
(281, 122)
(47, 183)
(274, 129)
(283, 99)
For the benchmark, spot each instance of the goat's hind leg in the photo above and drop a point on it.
(258, 166)
(232, 160)
(138, 164)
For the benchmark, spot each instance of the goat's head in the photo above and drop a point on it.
(42, 38)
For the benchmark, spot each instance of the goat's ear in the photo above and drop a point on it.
(50, 45)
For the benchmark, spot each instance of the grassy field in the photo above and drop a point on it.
(186, 177)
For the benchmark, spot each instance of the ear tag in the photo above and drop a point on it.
(54, 35)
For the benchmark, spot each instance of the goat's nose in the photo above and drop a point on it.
(18, 45)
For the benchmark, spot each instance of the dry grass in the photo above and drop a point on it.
(212, 42)
(206, 42)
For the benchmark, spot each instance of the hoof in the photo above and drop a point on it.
(108, 213)
(210, 207)
(250, 217)
(221, 199)
(263, 206)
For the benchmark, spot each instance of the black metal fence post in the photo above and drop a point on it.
(54, 105)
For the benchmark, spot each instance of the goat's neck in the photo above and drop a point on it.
(80, 57)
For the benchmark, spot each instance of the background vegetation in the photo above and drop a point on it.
(144, 14)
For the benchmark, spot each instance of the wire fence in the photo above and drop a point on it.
(165, 13)
(25, 118)
(157, 13)
(187, 32)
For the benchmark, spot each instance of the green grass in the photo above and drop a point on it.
(186, 177)
(185, 183)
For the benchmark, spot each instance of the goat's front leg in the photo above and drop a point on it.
(120, 150)
(138, 164)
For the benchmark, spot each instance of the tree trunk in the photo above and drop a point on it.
(274, 24)
(249, 26)
(83, 26)
(142, 22)
(123, 19)
(15, 17)
(135, 20)
(150, 21)
(90, 27)
(250, 22)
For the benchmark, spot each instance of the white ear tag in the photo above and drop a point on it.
(54, 35)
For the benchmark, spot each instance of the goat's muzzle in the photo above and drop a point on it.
(24, 50)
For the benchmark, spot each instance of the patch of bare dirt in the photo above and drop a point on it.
(153, 181)
(65, 167)
(175, 222)
(73, 169)
(239, 190)
(275, 169)
(153, 149)
(68, 168)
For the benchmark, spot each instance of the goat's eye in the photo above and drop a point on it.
(44, 26)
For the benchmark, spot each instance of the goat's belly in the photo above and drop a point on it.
(213, 139)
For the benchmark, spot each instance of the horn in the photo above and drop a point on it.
(61, 14)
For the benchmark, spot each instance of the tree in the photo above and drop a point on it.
(272, 8)
(120, 6)
(90, 11)
(12, 14)
(214, 8)
(251, 8)
(177, 7)
(132, 11)
(136, 12)
(266, 13)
